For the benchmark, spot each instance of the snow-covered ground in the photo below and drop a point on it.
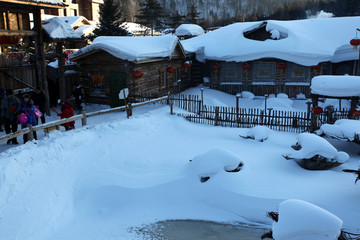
(99, 181)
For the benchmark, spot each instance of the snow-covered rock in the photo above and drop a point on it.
(214, 161)
(300, 220)
(258, 133)
(314, 152)
(345, 129)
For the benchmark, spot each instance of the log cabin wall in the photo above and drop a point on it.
(265, 76)
(101, 74)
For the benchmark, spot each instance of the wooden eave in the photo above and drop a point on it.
(22, 33)
(33, 4)
(324, 96)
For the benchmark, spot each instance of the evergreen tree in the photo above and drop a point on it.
(193, 14)
(176, 20)
(151, 15)
(110, 20)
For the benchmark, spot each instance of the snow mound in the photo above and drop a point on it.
(258, 133)
(300, 96)
(346, 129)
(214, 161)
(279, 103)
(336, 86)
(247, 95)
(312, 145)
(299, 220)
(189, 30)
(282, 95)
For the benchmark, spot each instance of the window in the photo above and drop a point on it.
(298, 73)
(231, 72)
(264, 71)
(163, 80)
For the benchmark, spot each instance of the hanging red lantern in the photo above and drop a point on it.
(317, 110)
(281, 66)
(355, 112)
(355, 42)
(137, 74)
(315, 68)
(170, 69)
(9, 40)
(216, 67)
(245, 66)
(186, 65)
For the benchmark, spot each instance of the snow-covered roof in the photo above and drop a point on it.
(137, 29)
(189, 30)
(50, 2)
(336, 86)
(305, 42)
(85, 30)
(58, 29)
(132, 48)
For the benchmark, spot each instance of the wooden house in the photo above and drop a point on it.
(275, 56)
(145, 65)
(21, 20)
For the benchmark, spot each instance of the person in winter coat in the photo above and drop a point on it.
(67, 111)
(9, 105)
(27, 107)
(78, 93)
(39, 99)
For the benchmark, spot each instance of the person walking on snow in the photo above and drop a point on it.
(9, 105)
(78, 93)
(39, 99)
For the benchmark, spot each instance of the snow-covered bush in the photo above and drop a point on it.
(299, 220)
(314, 152)
(344, 129)
(258, 133)
(282, 95)
(247, 95)
(214, 161)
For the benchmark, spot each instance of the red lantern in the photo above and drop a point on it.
(186, 65)
(245, 66)
(315, 68)
(9, 40)
(170, 69)
(216, 66)
(137, 74)
(281, 66)
(317, 110)
(355, 42)
(355, 112)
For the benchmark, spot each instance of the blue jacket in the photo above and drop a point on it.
(28, 109)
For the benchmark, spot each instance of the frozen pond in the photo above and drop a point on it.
(199, 230)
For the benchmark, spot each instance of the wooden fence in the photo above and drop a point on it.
(47, 127)
(289, 121)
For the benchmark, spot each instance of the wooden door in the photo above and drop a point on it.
(117, 81)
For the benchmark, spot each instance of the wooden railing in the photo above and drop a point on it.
(56, 124)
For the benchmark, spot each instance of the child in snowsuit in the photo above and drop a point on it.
(67, 111)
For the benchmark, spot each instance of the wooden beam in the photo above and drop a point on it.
(24, 33)
(34, 4)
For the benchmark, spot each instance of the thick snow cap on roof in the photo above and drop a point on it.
(189, 30)
(132, 48)
(336, 86)
(52, 2)
(305, 42)
(58, 29)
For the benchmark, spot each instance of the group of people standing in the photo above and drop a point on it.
(31, 109)
(30, 106)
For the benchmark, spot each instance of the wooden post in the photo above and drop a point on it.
(40, 57)
(237, 107)
(30, 135)
(62, 83)
(216, 116)
(172, 108)
(83, 120)
(314, 117)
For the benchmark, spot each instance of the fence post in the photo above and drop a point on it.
(237, 107)
(216, 116)
(171, 108)
(83, 120)
(30, 135)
